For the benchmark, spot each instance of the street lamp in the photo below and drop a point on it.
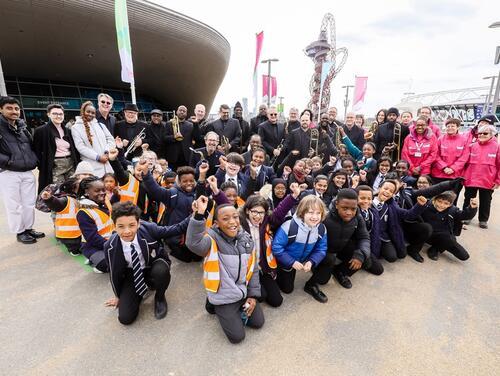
(488, 96)
(494, 25)
(268, 62)
(496, 96)
(346, 100)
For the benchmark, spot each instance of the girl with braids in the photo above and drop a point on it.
(92, 139)
(95, 222)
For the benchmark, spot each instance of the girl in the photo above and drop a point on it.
(265, 174)
(420, 148)
(299, 175)
(338, 180)
(300, 244)
(279, 187)
(375, 179)
(111, 186)
(365, 160)
(95, 222)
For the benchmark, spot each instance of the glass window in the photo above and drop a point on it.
(90, 93)
(35, 89)
(115, 94)
(118, 106)
(65, 91)
(11, 88)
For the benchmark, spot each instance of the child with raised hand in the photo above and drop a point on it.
(446, 220)
(300, 245)
(364, 158)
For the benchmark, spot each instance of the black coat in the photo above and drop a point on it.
(16, 147)
(245, 134)
(385, 135)
(110, 122)
(178, 151)
(156, 138)
(272, 135)
(44, 145)
(292, 125)
(356, 135)
(255, 122)
(230, 129)
(213, 160)
(128, 132)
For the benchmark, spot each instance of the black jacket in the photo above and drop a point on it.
(255, 122)
(213, 160)
(272, 135)
(128, 132)
(245, 133)
(44, 145)
(230, 129)
(385, 135)
(156, 138)
(150, 237)
(356, 135)
(179, 150)
(16, 147)
(448, 221)
(292, 125)
(340, 233)
(110, 122)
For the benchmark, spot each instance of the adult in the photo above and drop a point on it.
(156, 134)
(179, 139)
(427, 112)
(103, 115)
(482, 172)
(407, 118)
(332, 118)
(299, 140)
(293, 122)
(272, 133)
(199, 125)
(359, 121)
(55, 149)
(92, 140)
(356, 134)
(420, 148)
(17, 181)
(209, 153)
(228, 129)
(324, 125)
(260, 118)
(472, 135)
(386, 140)
(244, 125)
(129, 129)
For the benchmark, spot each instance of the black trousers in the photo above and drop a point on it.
(457, 189)
(230, 320)
(270, 290)
(182, 253)
(72, 245)
(375, 266)
(390, 253)
(345, 256)
(157, 278)
(320, 274)
(416, 233)
(485, 196)
(447, 242)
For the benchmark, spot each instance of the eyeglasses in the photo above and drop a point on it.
(484, 133)
(104, 102)
(259, 213)
(273, 114)
(58, 114)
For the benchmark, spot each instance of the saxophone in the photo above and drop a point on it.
(176, 128)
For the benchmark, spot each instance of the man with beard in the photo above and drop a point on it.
(156, 134)
(333, 123)
(272, 133)
(245, 127)
(327, 138)
(199, 125)
(228, 129)
(299, 140)
(129, 129)
(179, 139)
(293, 122)
(356, 134)
(384, 137)
(209, 152)
(260, 118)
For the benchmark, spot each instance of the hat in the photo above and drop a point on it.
(490, 119)
(157, 111)
(84, 167)
(130, 107)
(393, 110)
(238, 105)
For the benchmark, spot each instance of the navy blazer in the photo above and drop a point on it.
(266, 176)
(242, 180)
(149, 237)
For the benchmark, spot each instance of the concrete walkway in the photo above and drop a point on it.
(439, 318)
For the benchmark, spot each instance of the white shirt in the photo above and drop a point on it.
(254, 232)
(128, 255)
(233, 179)
(378, 181)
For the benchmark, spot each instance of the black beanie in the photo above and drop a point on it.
(393, 110)
(238, 105)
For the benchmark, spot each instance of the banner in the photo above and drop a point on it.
(123, 38)
(358, 98)
(258, 49)
(274, 88)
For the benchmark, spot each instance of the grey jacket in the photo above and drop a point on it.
(234, 255)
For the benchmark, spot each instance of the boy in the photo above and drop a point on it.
(136, 260)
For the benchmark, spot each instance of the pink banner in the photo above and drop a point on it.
(260, 41)
(265, 84)
(360, 87)
(274, 88)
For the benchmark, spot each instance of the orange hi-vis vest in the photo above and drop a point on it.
(130, 191)
(271, 261)
(102, 220)
(239, 202)
(65, 223)
(211, 268)
(210, 219)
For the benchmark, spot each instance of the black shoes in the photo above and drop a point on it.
(209, 307)
(25, 238)
(316, 293)
(342, 279)
(35, 234)
(433, 253)
(483, 224)
(416, 256)
(161, 307)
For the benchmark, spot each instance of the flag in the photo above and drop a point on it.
(123, 38)
(258, 49)
(360, 86)
(265, 83)
(274, 88)
(325, 69)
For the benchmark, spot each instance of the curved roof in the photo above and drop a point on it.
(177, 60)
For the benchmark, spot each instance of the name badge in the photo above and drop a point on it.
(418, 154)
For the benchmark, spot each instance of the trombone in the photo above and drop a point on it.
(314, 142)
(224, 143)
(133, 145)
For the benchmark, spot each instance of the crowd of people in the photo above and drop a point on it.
(256, 202)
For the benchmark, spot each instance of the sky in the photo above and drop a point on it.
(402, 46)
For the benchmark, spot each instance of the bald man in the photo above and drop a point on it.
(199, 125)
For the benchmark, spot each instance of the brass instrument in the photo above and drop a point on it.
(133, 145)
(314, 142)
(176, 128)
(224, 143)
(274, 159)
(395, 145)
(371, 131)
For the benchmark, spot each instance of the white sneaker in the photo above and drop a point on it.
(97, 270)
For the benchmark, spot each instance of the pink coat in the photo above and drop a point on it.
(453, 152)
(483, 168)
(420, 150)
(435, 129)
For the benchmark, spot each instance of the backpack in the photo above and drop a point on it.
(294, 229)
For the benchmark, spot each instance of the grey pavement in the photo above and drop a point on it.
(436, 318)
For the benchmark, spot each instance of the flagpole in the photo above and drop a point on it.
(132, 92)
(3, 88)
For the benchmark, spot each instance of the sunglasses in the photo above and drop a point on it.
(484, 133)
(104, 102)
(273, 114)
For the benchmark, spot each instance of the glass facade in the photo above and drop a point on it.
(35, 95)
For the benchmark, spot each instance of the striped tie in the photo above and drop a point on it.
(139, 284)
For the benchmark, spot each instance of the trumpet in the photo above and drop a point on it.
(133, 145)
(224, 143)
(176, 128)
(314, 142)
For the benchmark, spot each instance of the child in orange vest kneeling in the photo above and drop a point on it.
(230, 270)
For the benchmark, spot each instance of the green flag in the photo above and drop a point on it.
(123, 38)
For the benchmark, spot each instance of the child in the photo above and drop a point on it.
(316, 164)
(446, 219)
(402, 168)
(265, 174)
(375, 178)
(137, 260)
(111, 186)
(230, 268)
(230, 171)
(338, 180)
(65, 204)
(300, 244)
(299, 175)
(319, 190)
(95, 222)
(365, 160)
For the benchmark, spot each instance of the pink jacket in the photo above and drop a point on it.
(420, 150)
(435, 129)
(483, 167)
(453, 152)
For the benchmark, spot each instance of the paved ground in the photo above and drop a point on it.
(439, 318)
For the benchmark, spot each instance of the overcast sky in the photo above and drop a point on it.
(417, 46)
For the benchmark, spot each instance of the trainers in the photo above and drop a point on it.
(25, 238)
(75, 253)
(316, 293)
(35, 234)
(342, 279)
(97, 270)
(483, 224)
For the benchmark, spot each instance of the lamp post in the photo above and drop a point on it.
(268, 62)
(494, 104)
(346, 100)
(490, 92)
(3, 88)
